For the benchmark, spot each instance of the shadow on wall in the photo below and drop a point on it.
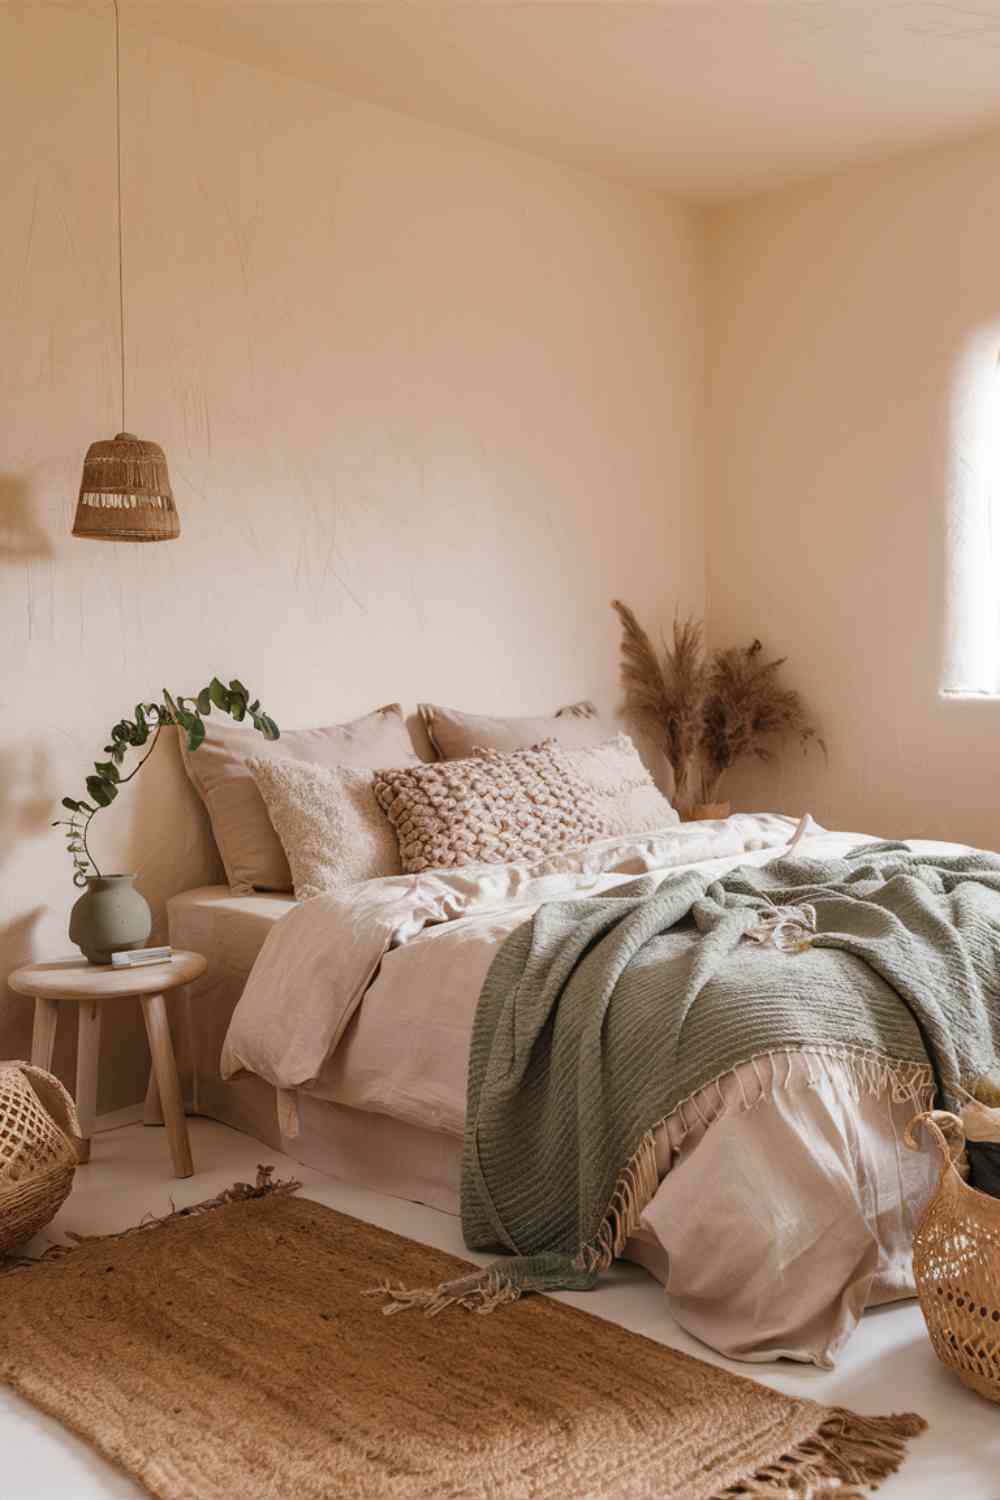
(26, 791)
(26, 810)
(22, 538)
(16, 1011)
(167, 840)
(26, 795)
(27, 800)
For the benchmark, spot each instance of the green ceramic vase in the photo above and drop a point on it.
(110, 917)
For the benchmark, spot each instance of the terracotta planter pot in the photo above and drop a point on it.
(702, 811)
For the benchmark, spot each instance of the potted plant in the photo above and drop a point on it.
(705, 714)
(111, 916)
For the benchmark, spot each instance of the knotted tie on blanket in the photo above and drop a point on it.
(789, 928)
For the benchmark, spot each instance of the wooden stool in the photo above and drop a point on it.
(90, 985)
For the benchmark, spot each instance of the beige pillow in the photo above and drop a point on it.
(456, 735)
(251, 850)
(331, 828)
(492, 808)
(623, 789)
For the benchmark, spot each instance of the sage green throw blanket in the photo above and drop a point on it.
(599, 1017)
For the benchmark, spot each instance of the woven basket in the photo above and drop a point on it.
(38, 1154)
(956, 1263)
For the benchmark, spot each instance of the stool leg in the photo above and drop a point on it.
(158, 1030)
(88, 1048)
(152, 1113)
(43, 1033)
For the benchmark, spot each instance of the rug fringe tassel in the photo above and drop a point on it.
(480, 1293)
(847, 1455)
(240, 1192)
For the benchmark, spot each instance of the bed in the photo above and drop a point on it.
(786, 1203)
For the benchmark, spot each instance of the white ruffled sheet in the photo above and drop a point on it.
(787, 1201)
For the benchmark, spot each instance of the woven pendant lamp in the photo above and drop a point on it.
(125, 493)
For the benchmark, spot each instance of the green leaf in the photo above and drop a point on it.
(237, 707)
(219, 694)
(102, 791)
(271, 730)
(196, 732)
(236, 686)
(69, 802)
(107, 769)
(205, 701)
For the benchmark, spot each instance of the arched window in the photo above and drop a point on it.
(972, 638)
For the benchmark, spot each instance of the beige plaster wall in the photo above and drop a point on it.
(847, 379)
(427, 402)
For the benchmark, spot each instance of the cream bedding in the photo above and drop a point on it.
(786, 1203)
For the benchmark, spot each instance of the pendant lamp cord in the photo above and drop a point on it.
(118, 164)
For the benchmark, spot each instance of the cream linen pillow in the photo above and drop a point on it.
(491, 809)
(331, 828)
(251, 850)
(455, 735)
(623, 789)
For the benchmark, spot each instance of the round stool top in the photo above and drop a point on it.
(77, 979)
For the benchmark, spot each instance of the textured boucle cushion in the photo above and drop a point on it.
(455, 735)
(251, 850)
(331, 828)
(623, 789)
(492, 809)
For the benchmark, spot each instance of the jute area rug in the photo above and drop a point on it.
(232, 1355)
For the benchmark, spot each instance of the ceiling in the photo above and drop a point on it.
(705, 98)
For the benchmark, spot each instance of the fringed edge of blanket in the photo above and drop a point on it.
(240, 1192)
(508, 1279)
(871, 1072)
(846, 1451)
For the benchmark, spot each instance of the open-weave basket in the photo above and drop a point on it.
(956, 1263)
(38, 1154)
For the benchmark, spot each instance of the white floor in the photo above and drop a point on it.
(889, 1366)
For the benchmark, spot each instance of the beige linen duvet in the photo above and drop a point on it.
(787, 1202)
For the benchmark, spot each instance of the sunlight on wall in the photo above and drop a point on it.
(972, 626)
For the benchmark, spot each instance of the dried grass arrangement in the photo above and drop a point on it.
(706, 712)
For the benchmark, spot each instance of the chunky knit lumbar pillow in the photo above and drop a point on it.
(331, 828)
(621, 786)
(493, 808)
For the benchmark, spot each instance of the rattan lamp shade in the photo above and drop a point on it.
(125, 493)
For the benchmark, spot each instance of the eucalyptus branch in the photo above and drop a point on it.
(86, 851)
(189, 714)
